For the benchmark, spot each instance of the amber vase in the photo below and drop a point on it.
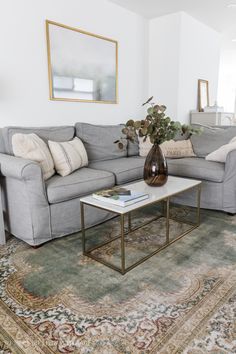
(155, 168)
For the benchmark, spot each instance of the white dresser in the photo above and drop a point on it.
(212, 118)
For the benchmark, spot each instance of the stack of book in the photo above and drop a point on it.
(120, 196)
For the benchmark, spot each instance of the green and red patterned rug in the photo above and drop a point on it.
(182, 300)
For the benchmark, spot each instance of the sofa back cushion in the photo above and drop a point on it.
(133, 147)
(211, 139)
(99, 141)
(60, 133)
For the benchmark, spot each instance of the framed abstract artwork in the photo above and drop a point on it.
(82, 66)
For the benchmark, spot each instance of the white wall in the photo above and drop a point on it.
(24, 93)
(164, 43)
(182, 50)
(227, 80)
(199, 59)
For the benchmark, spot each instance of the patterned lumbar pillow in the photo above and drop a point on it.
(171, 149)
(31, 147)
(68, 156)
(177, 149)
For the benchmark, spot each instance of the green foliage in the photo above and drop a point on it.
(157, 126)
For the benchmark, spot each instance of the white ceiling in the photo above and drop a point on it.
(213, 13)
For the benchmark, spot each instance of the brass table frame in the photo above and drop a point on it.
(166, 214)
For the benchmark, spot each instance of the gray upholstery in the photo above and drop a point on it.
(212, 196)
(25, 200)
(17, 167)
(211, 139)
(79, 183)
(198, 168)
(65, 217)
(63, 133)
(37, 211)
(125, 170)
(229, 185)
(99, 141)
(2, 148)
(133, 147)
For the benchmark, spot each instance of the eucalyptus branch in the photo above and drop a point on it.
(157, 126)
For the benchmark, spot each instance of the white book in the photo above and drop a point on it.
(121, 200)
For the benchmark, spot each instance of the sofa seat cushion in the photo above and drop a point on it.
(125, 169)
(198, 168)
(77, 184)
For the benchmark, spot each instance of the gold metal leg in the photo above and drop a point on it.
(82, 227)
(198, 204)
(129, 222)
(167, 220)
(122, 226)
(163, 207)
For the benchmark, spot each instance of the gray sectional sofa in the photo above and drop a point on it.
(37, 211)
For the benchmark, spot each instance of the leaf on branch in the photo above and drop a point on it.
(137, 124)
(130, 123)
(162, 108)
(149, 100)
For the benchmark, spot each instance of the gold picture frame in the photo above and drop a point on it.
(81, 68)
(203, 94)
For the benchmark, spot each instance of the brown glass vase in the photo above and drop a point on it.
(155, 168)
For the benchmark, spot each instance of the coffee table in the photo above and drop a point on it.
(173, 187)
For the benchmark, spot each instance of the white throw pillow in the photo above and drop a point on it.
(31, 147)
(171, 149)
(68, 156)
(144, 146)
(233, 140)
(220, 154)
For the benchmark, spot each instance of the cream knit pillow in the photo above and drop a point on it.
(220, 155)
(144, 146)
(172, 149)
(68, 156)
(31, 147)
(177, 149)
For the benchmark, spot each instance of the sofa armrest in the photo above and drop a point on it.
(25, 199)
(26, 171)
(230, 165)
(229, 184)
(18, 168)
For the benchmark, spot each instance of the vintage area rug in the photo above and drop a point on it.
(182, 300)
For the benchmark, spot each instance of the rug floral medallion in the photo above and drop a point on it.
(182, 300)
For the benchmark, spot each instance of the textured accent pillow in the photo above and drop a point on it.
(31, 147)
(172, 149)
(177, 149)
(144, 146)
(220, 154)
(68, 156)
